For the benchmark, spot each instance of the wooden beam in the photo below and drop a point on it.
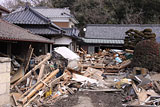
(41, 72)
(9, 49)
(28, 58)
(30, 72)
(38, 87)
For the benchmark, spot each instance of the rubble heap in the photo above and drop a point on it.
(52, 77)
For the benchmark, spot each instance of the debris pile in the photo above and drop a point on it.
(140, 88)
(51, 77)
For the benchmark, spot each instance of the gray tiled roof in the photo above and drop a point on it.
(103, 41)
(12, 32)
(44, 31)
(115, 31)
(26, 16)
(73, 32)
(54, 12)
(33, 21)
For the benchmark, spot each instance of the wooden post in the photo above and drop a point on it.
(46, 48)
(50, 48)
(41, 72)
(28, 58)
(9, 49)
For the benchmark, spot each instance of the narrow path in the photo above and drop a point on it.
(84, 101)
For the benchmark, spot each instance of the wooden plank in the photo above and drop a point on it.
(41, 72)
(157, 85)
(15, 97)
(32, 87)
(93, 73)
(129, 51)
(28, 58)
(142, 95)
(19, 74)
(30, 72)
(31, 100)
(19, 91)
(15, 101)
(103, 90)
(38, 87)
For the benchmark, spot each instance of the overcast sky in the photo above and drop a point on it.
(2, 1)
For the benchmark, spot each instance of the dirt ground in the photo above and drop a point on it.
(90, 99)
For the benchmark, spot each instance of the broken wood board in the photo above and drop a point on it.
(15, 96)
(33, 87)
(28, 58)
(80, 78)
(103, 90)
(124, 64)
(38, 87)
(129, 51)
(142, 95)
(48, 56)
(112, 71)
(18, 75)
(93, 73)
(157, 85)
(152, 93)
(155, 77)
(41, 72)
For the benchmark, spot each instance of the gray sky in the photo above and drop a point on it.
(2, 1)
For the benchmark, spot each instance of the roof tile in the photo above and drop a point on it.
(12, 32)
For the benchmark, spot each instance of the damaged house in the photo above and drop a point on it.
(63, 18)
(16, 40)
(102, 36)
(12, 36)
(37, 23)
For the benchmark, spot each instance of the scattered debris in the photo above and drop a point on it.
(51, 77)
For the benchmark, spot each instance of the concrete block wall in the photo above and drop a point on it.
(5, 68)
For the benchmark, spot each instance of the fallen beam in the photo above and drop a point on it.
(30, 72)
(38, 87)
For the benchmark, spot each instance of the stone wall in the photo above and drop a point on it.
(5, 67)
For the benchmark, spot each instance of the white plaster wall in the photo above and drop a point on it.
(62, 41)
(71, 24)
(59, 19)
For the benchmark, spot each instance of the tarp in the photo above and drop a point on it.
(66, 53)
